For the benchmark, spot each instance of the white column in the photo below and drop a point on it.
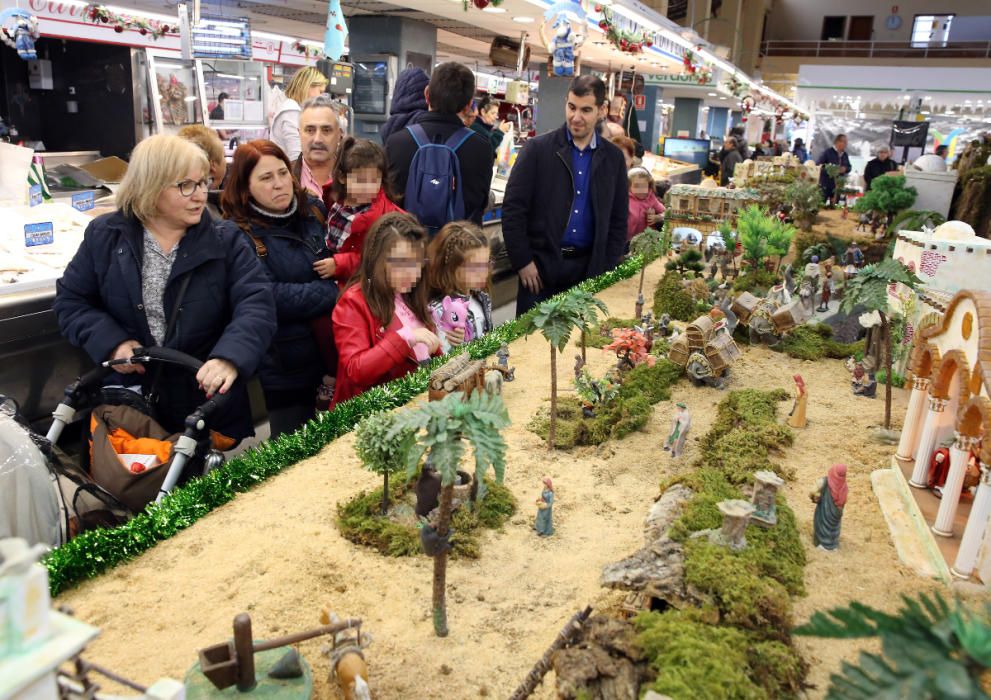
(973, 533)
(913, 419)
(927, 442)
(959, 454)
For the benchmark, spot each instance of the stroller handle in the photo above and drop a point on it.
(168, 355)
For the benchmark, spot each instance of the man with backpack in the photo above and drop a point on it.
(443, 168)
(564, 217)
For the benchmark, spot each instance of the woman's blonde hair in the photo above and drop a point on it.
(157, 162)
(207, 139)
(298, 88)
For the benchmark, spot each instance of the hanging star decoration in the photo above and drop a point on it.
(99, 14)
(625, 41)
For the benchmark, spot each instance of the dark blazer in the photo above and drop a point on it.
(831, 157)
(293, 362)
(538, 199)
(475, 156)
(730, 159)
(227, 311)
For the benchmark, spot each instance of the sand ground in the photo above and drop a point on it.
(276, 553)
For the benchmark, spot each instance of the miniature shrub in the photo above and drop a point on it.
(671, 298)
(814, 342)
(777, 668)
(896, 379)
(361, 522)
(757, 282)
(653, 383)
(597, 336)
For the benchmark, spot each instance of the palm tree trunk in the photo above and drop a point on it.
(385, 495)
(643, 270)
(440, 562)
(886, 339)
(552, 429)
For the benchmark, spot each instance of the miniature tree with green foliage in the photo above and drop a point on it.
(444, 428)
(651, 244)
(805, 198)
(930, 650)
(754, 226)
(688, 260)
(887, 195)
(587, 308)
(381, 449)
(779, 238)
(869, 288)
(730, 238)
(555, 319)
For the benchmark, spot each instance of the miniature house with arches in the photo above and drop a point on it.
(951, 370)
(774, 166)
(704, 207)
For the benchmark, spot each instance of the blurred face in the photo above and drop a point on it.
(319, 135)
(582, 115)
(179, 210)
(271, 184)
(640, 188)
(490, 115)
(882, 155)
(316, 88)
(840, 144)
(363, 184)
(474, 271)
(217, 172)
(469, 114)
(403, 266)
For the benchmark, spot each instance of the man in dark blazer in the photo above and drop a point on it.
(566, 205)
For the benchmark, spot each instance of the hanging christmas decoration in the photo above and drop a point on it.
(98, 14)
(566, 20)
(735, 86)
(747, 104)
(337, 31)
(305, 49)
(19, 30)
(480, 4)
(627, 41)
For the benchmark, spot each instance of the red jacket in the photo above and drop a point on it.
(368, 353)
(349, 255)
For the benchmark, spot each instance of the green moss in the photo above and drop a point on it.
(671, 298)
(814, 342)
(653, 383)
(615, 420)
(757, 283)
(360, 521)
(694, 660)
(777, 668)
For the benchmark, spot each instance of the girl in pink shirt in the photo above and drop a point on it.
(646, 209)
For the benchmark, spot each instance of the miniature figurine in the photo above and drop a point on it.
(579, 364)
(503, 354)
(544, 524)
(830, 498)
(863, 221)
(939, 466)
(854, 255)
(863, 383)
(796, 416)
(639, 307)
(347, 658)
(664, 328)
(827, 285)
(680, 424)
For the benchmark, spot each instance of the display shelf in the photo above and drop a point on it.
(247, 91)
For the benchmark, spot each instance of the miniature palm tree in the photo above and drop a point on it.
(651, 244)
(555, 319)
(869, 288)
(383, 450)
(930, 650)
(587, 307)
(444, 427)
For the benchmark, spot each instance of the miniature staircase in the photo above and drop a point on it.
(913, 540)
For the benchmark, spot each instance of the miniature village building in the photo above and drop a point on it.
(704, 207)
(774, 166)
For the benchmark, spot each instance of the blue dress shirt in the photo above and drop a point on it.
(581, 224)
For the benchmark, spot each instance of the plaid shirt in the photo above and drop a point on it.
(339, 224)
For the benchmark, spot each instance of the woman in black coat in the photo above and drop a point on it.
(287, 229)
(123, 287)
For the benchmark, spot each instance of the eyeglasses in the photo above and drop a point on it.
(405, 263)
(187, 187)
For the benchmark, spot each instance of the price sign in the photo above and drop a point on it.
(39, 234)
(34, 195)
(83, 201)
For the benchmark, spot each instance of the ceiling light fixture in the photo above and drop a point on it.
(523, 20)
(491, 9)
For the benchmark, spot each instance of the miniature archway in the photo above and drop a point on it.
(974, 420)
(925, 358)
(954, 361)
(976, 380)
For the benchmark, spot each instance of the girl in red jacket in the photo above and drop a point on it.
(360, 198)
(646, 210)
(382, 325)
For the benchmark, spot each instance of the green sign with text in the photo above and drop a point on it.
(682, 79)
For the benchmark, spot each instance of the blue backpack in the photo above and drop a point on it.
(433, 189)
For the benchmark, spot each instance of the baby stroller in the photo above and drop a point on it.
(46, 498)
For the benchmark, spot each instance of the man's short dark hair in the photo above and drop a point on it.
(222, 96)
(589, 85)
(838, 137)
(737, 130)
(451, 88)
(941, 150)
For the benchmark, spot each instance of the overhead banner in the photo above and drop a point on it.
(684, 80)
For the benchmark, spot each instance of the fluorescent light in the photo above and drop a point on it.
(711, 94)
(540, 3)
(494, 10)
(522, 20)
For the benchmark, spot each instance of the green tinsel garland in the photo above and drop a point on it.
(95, 551)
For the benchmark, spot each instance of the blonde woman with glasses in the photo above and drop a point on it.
(160, 272)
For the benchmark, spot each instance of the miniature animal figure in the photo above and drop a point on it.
(453, 315)
(579, 364)
(432, 543)
(493, 382)
(348, 667)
